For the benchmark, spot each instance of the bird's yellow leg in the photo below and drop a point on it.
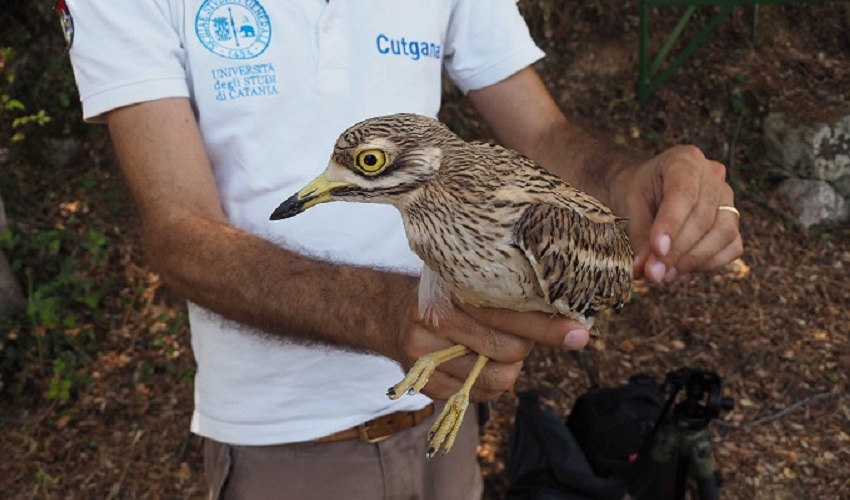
(417, 376)
(445, 428)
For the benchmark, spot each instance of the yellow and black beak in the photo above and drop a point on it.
(318, 191)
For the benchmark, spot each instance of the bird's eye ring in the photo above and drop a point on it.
(371, 161)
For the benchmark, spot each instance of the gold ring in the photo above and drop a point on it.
(729, 208)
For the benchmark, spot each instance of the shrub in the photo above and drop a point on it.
(57, 253)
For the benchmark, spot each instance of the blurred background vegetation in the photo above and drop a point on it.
(57, 250)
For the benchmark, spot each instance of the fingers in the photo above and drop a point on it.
(706, 230)
(496, 377)
(682, 193)
(493, 381)
(640, 222)
(504, 326)
(505, 337)
(688, 233)
(723, 257)
(719, 238)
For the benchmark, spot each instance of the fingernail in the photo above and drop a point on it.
(657, 270)
(575, 339)
(671, 274)
(664, 244)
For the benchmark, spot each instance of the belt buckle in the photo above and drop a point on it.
(363, 430)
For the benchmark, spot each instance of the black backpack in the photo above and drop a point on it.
(546, 462)
(614, 425)
(601, 452)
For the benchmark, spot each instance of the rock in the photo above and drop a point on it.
(842, 185)
(810, 150)
(813, 202)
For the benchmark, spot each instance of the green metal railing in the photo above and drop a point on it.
(652, 75)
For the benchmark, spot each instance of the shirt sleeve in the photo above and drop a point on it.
(125, 52)
(486, 42)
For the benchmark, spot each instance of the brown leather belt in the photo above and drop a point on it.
(381, 428)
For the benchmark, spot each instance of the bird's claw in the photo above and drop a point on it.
(444, 430)
(415, 379)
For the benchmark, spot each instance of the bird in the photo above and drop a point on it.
(492, 227)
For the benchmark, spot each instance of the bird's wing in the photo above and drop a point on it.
(530, 182)
(582, 266)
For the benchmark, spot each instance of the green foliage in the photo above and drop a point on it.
(42, 477)
(13, 111)
(50, 340)
(60, 259)
(38, 96)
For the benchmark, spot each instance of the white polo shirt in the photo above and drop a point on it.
(273, 84)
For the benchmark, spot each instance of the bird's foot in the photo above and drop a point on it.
(445, 428)
(417, 376)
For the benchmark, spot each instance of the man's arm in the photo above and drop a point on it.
(250, 280)
(670, 200)
(208, 261)
(524, 117)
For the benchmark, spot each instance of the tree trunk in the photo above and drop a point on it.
(11, 297)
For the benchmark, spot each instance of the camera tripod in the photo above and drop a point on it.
(683, 436)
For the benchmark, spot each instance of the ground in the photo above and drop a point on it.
(772, 324)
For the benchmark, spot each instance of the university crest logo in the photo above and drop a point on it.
(235, 29)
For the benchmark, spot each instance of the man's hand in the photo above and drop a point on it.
(672, 204)
(506, 337)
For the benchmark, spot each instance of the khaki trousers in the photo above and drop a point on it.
(348, 470)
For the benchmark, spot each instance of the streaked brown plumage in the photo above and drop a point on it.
(493, 228)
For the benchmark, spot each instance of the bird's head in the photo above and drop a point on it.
(379, 160)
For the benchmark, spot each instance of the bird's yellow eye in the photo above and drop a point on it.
(371, 161)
